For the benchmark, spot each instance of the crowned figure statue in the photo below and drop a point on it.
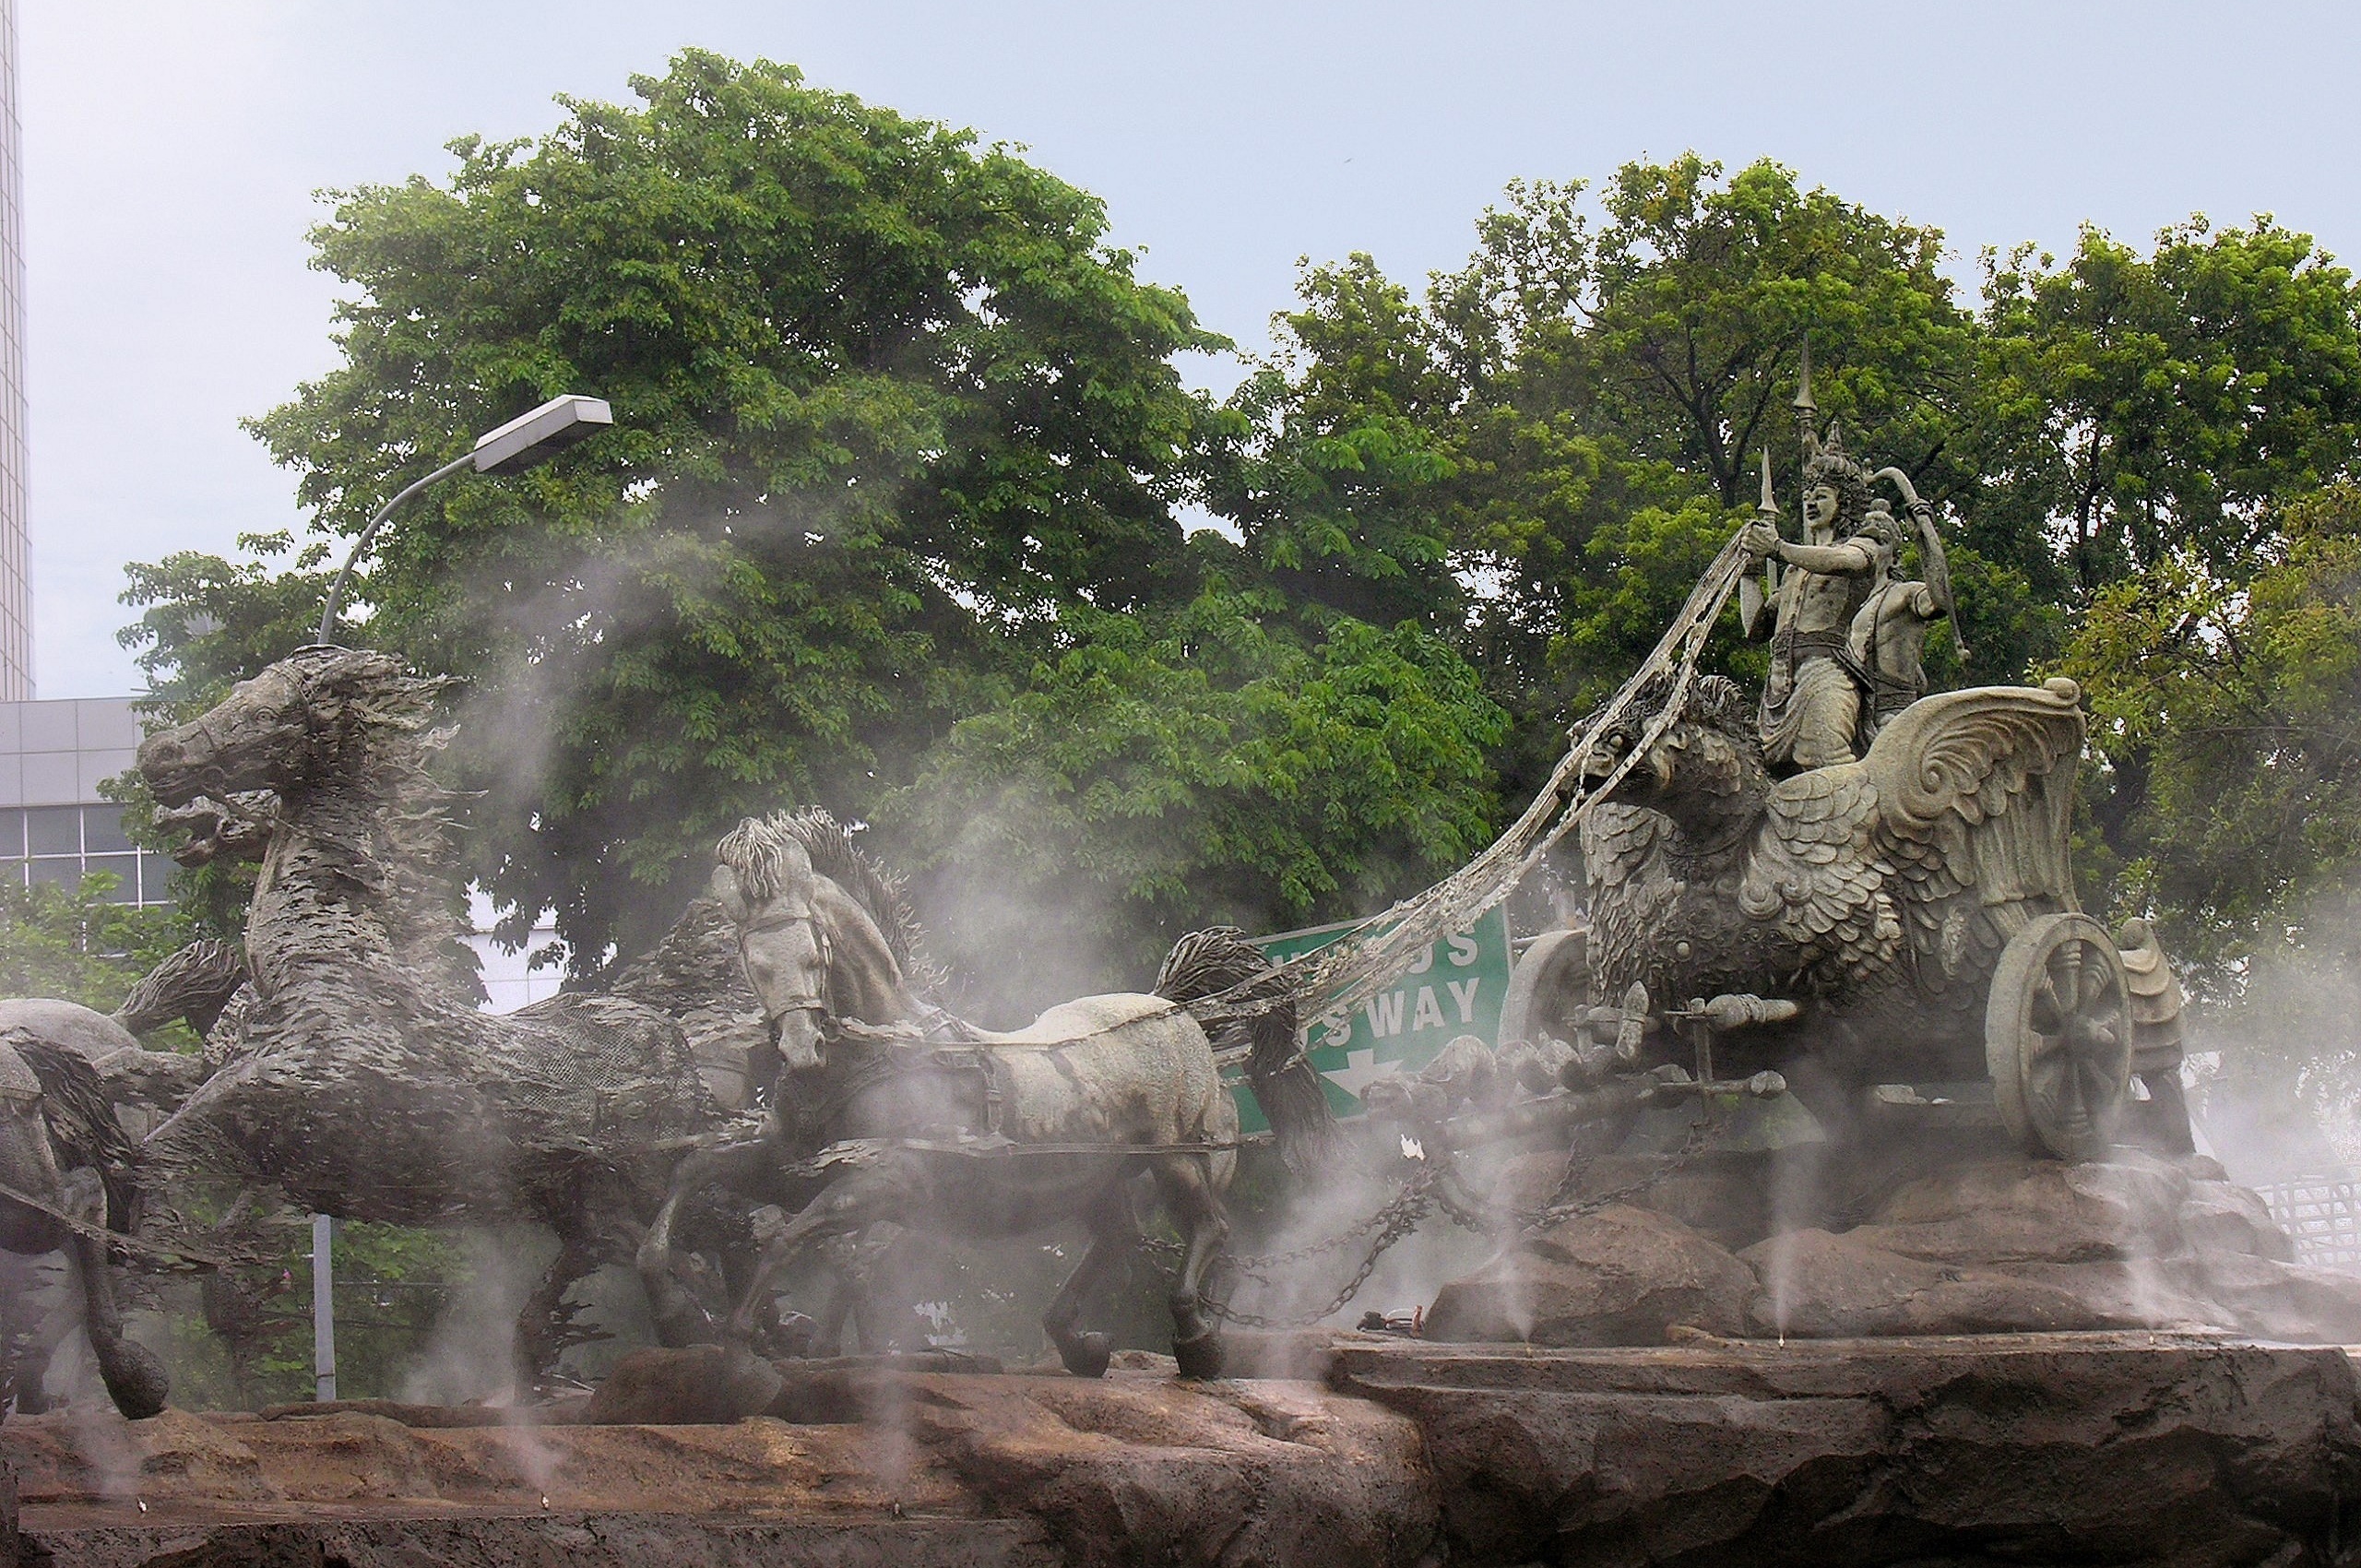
(1846, 636)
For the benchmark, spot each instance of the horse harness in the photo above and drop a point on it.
(938, 1041)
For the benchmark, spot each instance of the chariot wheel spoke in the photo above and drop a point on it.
(2095, 979)
(2058, 1036)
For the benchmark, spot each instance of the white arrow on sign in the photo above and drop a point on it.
(1359, 1071)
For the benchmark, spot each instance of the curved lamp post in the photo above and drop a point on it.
(513, 448)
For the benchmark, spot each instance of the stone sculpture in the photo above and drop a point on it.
(1915, 905)
(1811, 701)
(932, 1122)
(82, 1060)
(1846, 637)
(67, 1166)
(1884, 870)
(365, 1083)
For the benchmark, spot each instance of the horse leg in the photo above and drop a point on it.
(1197, 1208)
(135, 1380)
(34, 1324)
(880, 1306)
(852, 1204)
(842, 1260)
(851, 1299)
(543, 1326)
(1113, 1235)
(677, 1318)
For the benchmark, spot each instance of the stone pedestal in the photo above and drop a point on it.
(1993, 1245)
(2146, 1448)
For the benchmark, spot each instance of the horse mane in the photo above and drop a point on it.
(372, 698)
(757, 851)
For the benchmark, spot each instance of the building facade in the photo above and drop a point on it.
(55, 828)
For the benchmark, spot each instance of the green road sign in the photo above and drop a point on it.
(1454, 988)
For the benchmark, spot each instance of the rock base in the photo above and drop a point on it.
(889, 1467)
(1998, 1243)
(2022, 1448)
(2030, 1448)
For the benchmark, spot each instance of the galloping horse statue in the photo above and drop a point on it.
(365, 1083)
(950, 1128)
(61, 1147)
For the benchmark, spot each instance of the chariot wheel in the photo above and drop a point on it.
(2057, 1037)
(1549, 977)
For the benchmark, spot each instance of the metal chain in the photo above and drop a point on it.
(1399, 1215)
(1396, 1218)
(1554, 1212)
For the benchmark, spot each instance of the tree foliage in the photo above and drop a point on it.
(2242, 703)
(77, 945)
(899, 442)
(1538, 457)
(2129, 407)
(1211, 766)
(887, 521)
(886, 403)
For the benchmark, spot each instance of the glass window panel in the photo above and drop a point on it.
(12, 833)
(54, 830)
(126, 875)
(60, 872)
(155, 878)
(12, 871)
(103, 830)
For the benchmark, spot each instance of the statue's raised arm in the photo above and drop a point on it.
(1933, 562)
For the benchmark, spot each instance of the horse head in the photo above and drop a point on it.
(235, 829)
(1705, 770)
(318, 715)
(766, 884)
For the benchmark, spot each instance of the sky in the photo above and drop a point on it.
(172, 153)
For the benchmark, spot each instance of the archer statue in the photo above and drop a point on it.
(1847, 637)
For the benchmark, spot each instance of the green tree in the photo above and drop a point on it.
(1333, 457)
(886, 405)
(2144, 429)
(2240, 704)
(77, 945)
(1538, 458)
(2129, 407)
(1213, 765)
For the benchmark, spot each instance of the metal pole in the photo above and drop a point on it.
(336, 588)
(323, 1307)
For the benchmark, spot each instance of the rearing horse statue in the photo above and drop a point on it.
(960, 1130)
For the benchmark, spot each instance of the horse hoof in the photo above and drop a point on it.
(1087, 1355)
(1199, 1357)
(135, 1380)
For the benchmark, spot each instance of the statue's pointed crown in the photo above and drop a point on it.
(1825, 458)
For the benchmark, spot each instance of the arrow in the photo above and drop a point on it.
(1359, 1071)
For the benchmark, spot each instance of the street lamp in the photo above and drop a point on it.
(513, 448)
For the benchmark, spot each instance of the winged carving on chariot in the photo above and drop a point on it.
(1851, 882)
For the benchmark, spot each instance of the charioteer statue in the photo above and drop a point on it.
(1847, 636)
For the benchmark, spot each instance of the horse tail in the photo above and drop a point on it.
(1218, 975)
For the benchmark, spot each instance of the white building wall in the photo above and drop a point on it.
(53, 827)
